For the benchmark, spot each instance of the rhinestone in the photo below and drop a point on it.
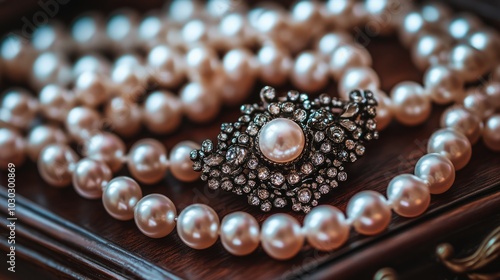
(206, 169)
(252, 130)
(357, 133)
(336, 134)
(343, 154)
(253, 200)
(193, 155)
(207, 146)
(277, 179)
(279, 202)
(237, 190)
(360, 150)
(252, 175)
(319, 136)
(260, 119)
(320, 179)
(213, 160)
(252, 163)
(227, 127)
(274, 108)
(371, 124)
(287, 107)
(350, 144)
(251, 183)
(352, 157)
(226, 185)
(325, 99)
(240, 180)
(293, 178)
(306, 104)
(236, 155)
(268, 93)
(334, 184)
(296, 207)
(226, 168)
(222, 136)
(337, 163)
(263, 173)
(203, 177)
(349, 125)
(326, 147)
(342, 176)
(214, 173)
(303, 97)
(317, 195)
(243, 139)
(213, 184)
(315, 202)
(263, 194)
(368, 136)
(304, 195)
(293, 95)
(307, 168)
(244, 118)
(371, 111)
(196, 166)
(318, 159)
(375, 134)
(247, 189)
(324, 189)
(331, 172)
(246, 109)
(266, 206)
(300, 115)
(306, 208)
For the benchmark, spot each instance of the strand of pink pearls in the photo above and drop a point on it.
(368, 212)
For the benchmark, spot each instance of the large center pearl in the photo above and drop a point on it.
(281, 140)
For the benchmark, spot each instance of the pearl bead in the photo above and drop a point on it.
(478, 104)
(41, 136)
(194, 32)
(436, 13)
(462, 25)
(198, 226)
(469, 63)
(491, 133)
(162, 112)
(492, 91)
(183, 10)
(181, 165)
(155, 215)
(452, 144)
(413, 24)
(94, 63)
(120, 197)
(369, 212)
(329, 42)
(326, 228)
(17, 57)
(437, 170)
(408, 195)
(463, 121)
(232, 32)
(89, 178)
(49, 68)
(165, 66)
(21, 107)
(486, 41)
(411, 105)
(56, 163)
(239, 68)
(121, 29)
(124, 117)
(199, 102)
(384, 109)
(11, 148)
(339, 13)
(129, 80)
(147, 161)
(358, 77)
(281, 236)
(202, 64)
(106, 147)
(91, 89)
(275, 64)
(239, 233)
(443, 84)
(152, 31)
(55, 102)
(82, 123)
(51, 37)
(345, 57)
(309, 72)
(219, 8)
(89, 32)
(281, 140)
(427, 48)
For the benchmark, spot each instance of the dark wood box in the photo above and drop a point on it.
(61, 235)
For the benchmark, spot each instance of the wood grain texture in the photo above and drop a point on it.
(69, 236)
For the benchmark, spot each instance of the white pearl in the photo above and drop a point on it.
(281, 140)
(239, 233)
(281, 236)
(181, 165)
(41, 136)
(358, 78)
(106, 147)
(20, 108)
(92, 89)
(239, 69)
(491, 133)
(469, 63)
(17, 57)
(437, 170)
(329, 42)
(147, 161)
(121, 29)
(56, 163)
(120, 197)
(166, 66)
(202, 64)
(124, 116)
(50, 67)
(492, 91)
(198, 226)
(462, 25)
(199, 102)
(486, 41)
(89, 32)
(55, 102)
(411, 105)
(384, 109)
(275, 64)
(162, 112)
(155, 215)
(90, 177)
(51, 37)
(12, 148)
(408, 195)
(369, 212)
(183, 10)
(345, 57)
(309, 72)
(427, 49)
(463, 121)
(152, 31)
(477, 103)
(413, 24)
(452, 144)
(443, 84)
(326, 228)
(91, 63)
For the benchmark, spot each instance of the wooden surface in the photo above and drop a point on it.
(64, 235)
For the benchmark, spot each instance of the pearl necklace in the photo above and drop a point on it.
(459, 51)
